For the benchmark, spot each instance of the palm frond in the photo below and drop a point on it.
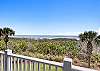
(8, 31)
(97, 40)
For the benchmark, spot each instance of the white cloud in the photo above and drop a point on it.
(99, 31)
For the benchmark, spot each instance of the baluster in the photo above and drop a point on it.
(33, 66)
(21, 64)
(30, 65)
(11, 65)
(2, 62)
(49, 67)
(38, 66)
(14, 60)
(56, 68)
(44, 67)
(25, 65)
(18, 64)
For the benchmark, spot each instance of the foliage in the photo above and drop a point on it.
(72, 48)
(18, 46)
(46, 47)
(2, 45)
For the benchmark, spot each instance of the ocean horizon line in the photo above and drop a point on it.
(45, 36)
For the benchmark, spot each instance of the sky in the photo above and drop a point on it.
(50, 17)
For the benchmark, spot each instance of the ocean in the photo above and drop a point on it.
(45, 36)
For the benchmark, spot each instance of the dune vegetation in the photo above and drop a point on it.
(54, 50)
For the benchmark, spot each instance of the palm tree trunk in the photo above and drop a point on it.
(6, 40)
(89, 61)
(89, 52)
(6, 46)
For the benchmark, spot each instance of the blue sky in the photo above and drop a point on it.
(50, 17)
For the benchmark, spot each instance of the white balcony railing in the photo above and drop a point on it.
(13, 62)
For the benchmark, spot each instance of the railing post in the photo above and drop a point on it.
(67, 64)
(8, 60)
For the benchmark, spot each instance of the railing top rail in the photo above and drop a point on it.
(1, 52)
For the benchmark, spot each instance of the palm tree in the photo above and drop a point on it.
(5, 33)
(0, 33)
(89, 37)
